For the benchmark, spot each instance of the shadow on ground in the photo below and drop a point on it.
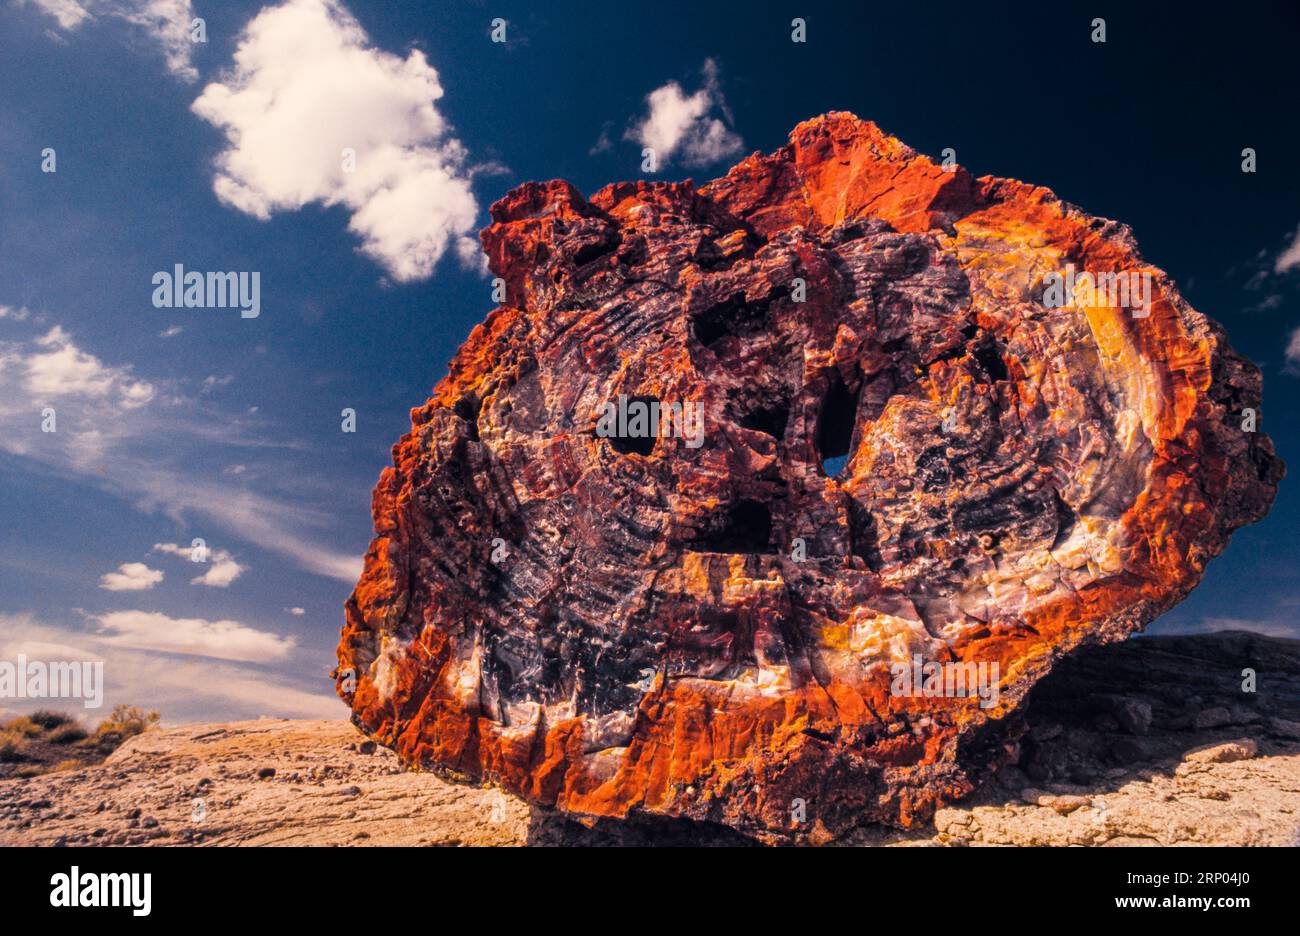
(1103, 719)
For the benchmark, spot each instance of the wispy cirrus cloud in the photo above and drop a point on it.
(85, 400)
(125, 434)
(1286, 262)
(183, 687)
(1289, 258)
(167, 23)
(263, 520)
(1265, 275)
(69, 14)
(694, 130)
(314, 113)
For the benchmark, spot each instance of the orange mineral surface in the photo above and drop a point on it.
(918, 435)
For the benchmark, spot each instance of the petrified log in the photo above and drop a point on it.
(726, 625)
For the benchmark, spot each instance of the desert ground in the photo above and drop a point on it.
(1152, 742)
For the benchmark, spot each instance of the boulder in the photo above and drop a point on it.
(767, 502)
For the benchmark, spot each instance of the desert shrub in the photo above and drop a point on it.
(21, 727)
(48, 720)
(11, 749)
(126, 722)
(67, 734)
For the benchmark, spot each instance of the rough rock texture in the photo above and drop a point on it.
(620, 626)
(1081, 777)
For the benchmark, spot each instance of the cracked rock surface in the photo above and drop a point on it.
(905, 454)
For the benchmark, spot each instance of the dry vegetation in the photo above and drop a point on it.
(47, 741)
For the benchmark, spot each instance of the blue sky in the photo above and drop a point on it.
(224, 155)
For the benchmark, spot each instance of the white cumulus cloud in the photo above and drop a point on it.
(130, 576)
(222, 640)
(312, 112)
(222, 569)
(694, 130)
(60, 369)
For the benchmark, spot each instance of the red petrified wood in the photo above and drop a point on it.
(912, 453)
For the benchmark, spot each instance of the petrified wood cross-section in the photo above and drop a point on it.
(908, 456)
